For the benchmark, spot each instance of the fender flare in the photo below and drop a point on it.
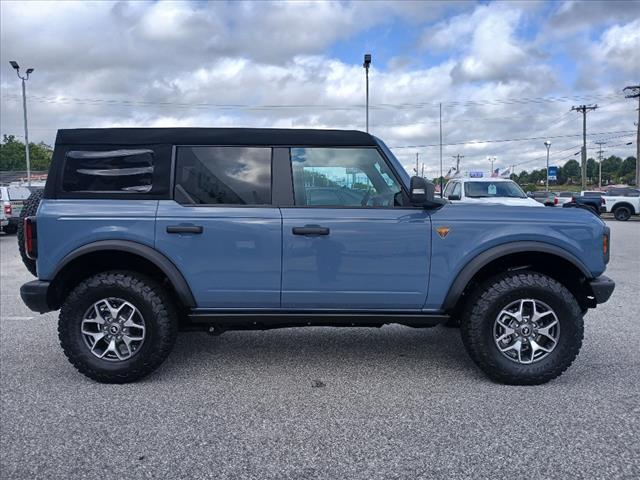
(482, 259)
(626, 204)
(158, 259)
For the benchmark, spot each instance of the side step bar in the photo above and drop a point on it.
(262, 320)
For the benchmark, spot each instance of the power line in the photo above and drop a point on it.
(472, 142)
(481, 102)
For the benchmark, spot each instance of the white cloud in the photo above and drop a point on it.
(620, 47)
(178, 62)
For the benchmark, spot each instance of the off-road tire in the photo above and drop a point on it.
(496, 293)
(622, 213)
(148, 297)
(29, 209)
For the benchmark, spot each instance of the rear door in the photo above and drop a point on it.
(221, 229)
(348, 241)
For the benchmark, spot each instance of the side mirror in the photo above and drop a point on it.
(454, 197)
(421, 192)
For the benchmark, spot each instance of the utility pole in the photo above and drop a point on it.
(417, 163)
(367, 62)
(600, 163)
(458, 157)
(29, 71)
(634, 92)
(422, 174)
(584, 109)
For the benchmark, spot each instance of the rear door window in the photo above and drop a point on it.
(223, 176)
(122, 171)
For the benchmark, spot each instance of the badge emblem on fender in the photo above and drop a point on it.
(443, 231)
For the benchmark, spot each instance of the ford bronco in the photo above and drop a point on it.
(141, 233)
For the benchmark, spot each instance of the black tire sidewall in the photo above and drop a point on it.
(622, 214)
(565, 319)
(477, 327)
(145, 360)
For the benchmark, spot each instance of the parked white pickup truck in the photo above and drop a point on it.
(622, 207)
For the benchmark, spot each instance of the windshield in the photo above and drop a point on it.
(18, 193)
(493, 189)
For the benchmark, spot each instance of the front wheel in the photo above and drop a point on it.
(523, 329)
(117, 327)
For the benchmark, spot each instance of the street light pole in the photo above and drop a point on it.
(367, 62)
(548, 145)
(29, 71)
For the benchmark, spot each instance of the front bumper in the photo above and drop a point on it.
(35, 295)
(601, 287)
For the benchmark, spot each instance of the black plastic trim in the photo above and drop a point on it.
(35, 296)
(258, 319)
(602, 287)
(158, 259)
(281, 177)
(466, 274)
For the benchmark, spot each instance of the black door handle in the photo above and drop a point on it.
(310, 230)
(184, 229)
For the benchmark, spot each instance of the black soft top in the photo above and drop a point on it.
(214, 136)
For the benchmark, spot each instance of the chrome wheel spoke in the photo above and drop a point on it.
(113, 329)
(526, 331)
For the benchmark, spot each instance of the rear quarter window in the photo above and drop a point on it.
(113, 171)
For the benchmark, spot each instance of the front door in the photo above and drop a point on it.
(349, 243)
(221, 230)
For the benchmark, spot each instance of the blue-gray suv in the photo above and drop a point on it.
(141, 233)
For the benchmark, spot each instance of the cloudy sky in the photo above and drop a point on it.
(502, 71)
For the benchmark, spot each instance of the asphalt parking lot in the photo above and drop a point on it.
(328, 403)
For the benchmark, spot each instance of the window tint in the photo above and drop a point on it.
(348, 177)
(223, 175)
(127, 171)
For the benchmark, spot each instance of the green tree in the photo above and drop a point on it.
(12, 155)
(627, 170)
(571, 171)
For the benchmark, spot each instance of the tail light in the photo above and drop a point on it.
(605, 246)
(555, 200)
(30, 238)
(573, 200)
(602, 202)
(7, 209)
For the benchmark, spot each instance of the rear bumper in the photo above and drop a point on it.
(602, 287)
(35, 295)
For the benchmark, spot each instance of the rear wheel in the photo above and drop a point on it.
(622, 213)
(117, 327)
(29, 209)
(522, 329)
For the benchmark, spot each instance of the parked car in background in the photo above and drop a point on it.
(595, 203)
(487, 190)
(548, 199)
(12, 198)
(622, 207)
(564, 197)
